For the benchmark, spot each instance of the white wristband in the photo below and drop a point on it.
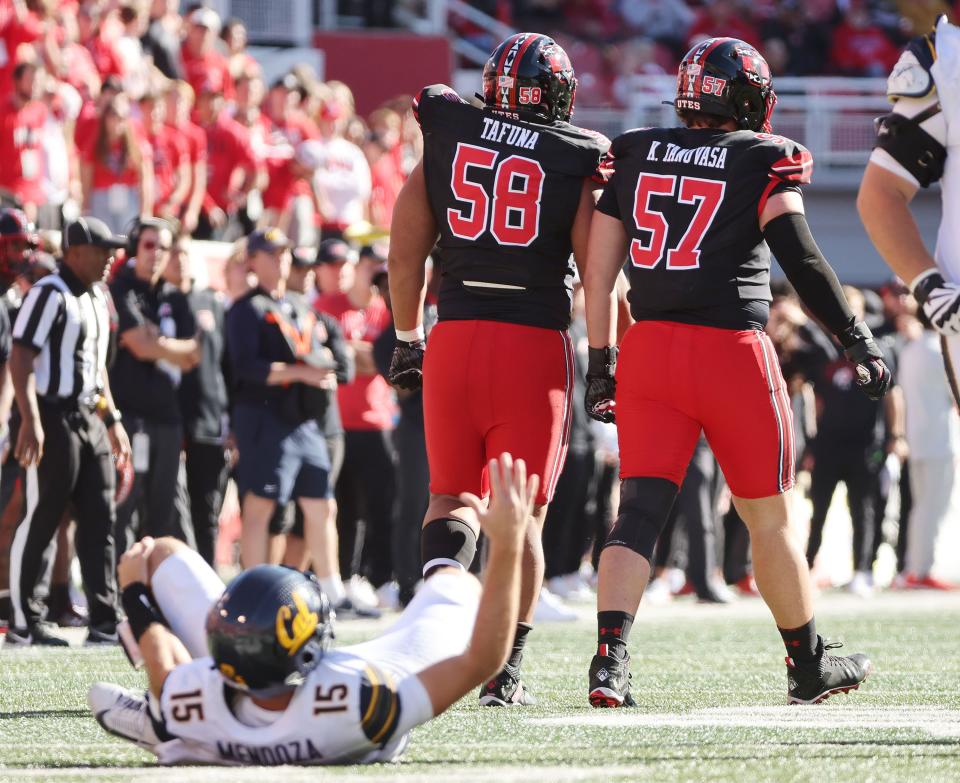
(412, 335)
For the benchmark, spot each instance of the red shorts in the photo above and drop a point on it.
(674, 380)
(490, 387)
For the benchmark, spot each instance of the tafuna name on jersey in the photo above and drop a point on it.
(713, 157)
(293, 752)
(508, 133)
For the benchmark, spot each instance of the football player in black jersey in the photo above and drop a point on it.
(505, 190)
(696, 211)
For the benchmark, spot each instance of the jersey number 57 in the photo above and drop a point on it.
(513, 214)
(706, 194)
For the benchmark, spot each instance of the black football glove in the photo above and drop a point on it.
(940, 301)
(406, 365)
(599, 401)
(873, 375)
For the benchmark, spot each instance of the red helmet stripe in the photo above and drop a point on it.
(514, 101)
(698, 79)
(507, 46)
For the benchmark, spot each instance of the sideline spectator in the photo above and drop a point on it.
(171, 158)
(157, 344)
(179, 104)
(861, 48)
(278, 372)
(161, 41)
(232, 166)
(203, 403)
(116, 169)
(202, 63)
(343, 177)
(366, 488)
(22, 122)
(239, 61)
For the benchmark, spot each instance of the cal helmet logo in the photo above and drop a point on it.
(302, 625)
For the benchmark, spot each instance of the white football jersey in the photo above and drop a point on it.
(349, 711)
(910, 77)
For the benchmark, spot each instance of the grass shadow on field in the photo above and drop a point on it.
(84, 713)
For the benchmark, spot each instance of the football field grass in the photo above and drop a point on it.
(710, 683)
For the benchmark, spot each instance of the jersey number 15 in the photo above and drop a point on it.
(513, 214)
(706, 194)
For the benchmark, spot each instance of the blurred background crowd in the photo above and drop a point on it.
(131, 109)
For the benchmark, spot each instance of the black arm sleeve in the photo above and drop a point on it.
(807, 270)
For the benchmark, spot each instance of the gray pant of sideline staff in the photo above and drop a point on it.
(76, 466)
(156, 506)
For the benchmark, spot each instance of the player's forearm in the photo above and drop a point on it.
(499, 608)
(606, 250)
(884, 206)
(24, 382)
(162, 652)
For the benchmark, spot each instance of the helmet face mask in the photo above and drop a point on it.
(269, 630)
(530, 75)
(728, 78)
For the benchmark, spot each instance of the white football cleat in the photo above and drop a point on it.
(123, 713)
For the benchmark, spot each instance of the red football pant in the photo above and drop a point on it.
(491, 387)
(674, 380)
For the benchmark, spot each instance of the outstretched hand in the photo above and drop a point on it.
(504, 517)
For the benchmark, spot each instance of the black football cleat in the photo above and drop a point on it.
(506, 690)
(813, 682)
(610, 680)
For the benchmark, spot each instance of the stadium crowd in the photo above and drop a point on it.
(162, 126)
(612, 41)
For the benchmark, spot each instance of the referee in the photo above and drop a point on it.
(58, 366)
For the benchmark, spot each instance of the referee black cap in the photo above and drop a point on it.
(90, 231)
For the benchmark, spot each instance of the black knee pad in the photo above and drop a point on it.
(447, 542)
(645, 504)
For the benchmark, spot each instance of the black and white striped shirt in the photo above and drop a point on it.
(68, 325)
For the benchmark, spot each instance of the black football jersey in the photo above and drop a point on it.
(504, 193)
(690, 200)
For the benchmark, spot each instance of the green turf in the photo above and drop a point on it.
(710, 683)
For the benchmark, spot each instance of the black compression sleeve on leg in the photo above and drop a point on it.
(447, 542)
(645, 504)
(807, 270)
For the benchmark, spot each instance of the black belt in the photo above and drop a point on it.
(80, 405)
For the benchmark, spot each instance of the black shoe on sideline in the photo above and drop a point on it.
(36, 636)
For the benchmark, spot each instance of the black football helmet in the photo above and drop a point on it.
(727, 77)
(17, 238)
(269, 629)
(530, 74)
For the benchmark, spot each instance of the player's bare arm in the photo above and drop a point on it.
(504, 521)
(160, 649)
(911, 153)
(606, 250)
(413, 235)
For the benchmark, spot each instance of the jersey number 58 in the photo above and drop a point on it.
(513, 213)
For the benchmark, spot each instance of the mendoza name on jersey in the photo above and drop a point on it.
(293, 752)
(714, 157)
(508, 133)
